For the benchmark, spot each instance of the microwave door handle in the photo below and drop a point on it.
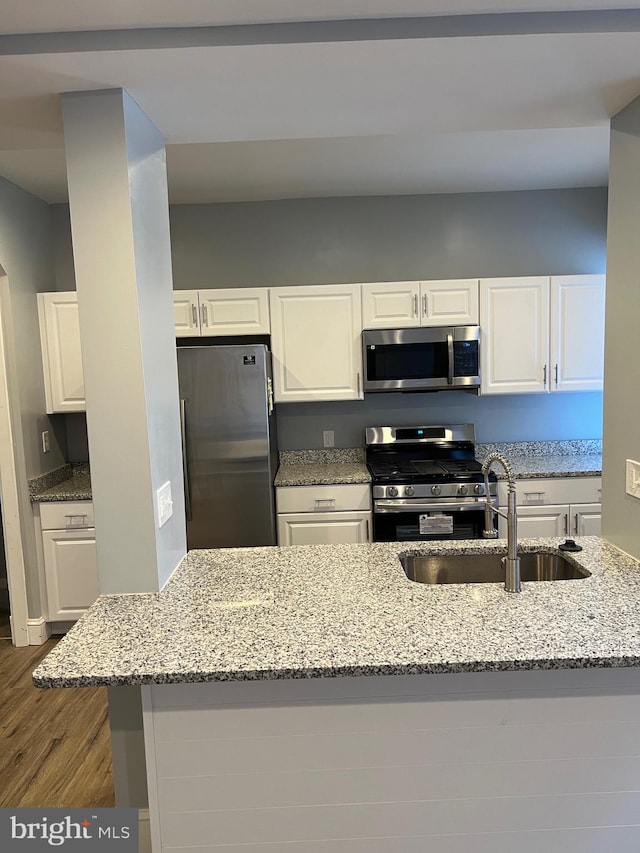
(450, 349)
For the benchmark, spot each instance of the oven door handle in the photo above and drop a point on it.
(415, 506)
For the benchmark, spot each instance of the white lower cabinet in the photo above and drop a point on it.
(70, 564)
(565, 506)
(324, 515)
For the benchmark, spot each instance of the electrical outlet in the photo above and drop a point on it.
(632, 486)
(327, 438)
(46, 447)
(165, 503)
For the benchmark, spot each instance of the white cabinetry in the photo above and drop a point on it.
(316, 342)
(514, 319)
(542, 334)
(70, 564)
(61, 352)
(405, 304)
(563, 506)
(315, 515)
(576, 337)
(235, 311)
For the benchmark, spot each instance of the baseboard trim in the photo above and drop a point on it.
(38, 630)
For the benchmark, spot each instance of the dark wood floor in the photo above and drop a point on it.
(54, 744)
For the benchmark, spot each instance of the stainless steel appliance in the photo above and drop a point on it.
(430, 359)
(426, 483)
(228, 445)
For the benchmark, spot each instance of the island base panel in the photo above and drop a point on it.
(540, 760)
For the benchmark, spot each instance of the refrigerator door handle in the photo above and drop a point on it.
(269, 395)
(185, 467)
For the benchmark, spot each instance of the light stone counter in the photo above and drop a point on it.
(531, 459)
(322, 467)
(344, 610)
(71, 482)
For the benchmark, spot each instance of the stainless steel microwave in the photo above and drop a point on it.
(425, 359)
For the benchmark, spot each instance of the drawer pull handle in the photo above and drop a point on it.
(534, 496)
(325, 503)
(75, 519)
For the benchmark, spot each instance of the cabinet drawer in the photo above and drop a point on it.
(323, 498)
(559, 490)
(61, 515)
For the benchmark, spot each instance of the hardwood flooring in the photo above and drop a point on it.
(54, 744)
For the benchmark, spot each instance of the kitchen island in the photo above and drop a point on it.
(314, 697)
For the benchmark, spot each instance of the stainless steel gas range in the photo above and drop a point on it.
(426, 483)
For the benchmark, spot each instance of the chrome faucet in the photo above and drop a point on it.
(511, 561)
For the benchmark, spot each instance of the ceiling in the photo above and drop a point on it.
(360, 97)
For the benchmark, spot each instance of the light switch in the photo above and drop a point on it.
(165, 503)
(632, 479)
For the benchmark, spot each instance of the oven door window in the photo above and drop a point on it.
(414, 527)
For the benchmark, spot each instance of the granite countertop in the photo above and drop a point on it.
(70, 482)
(531, 459)
(348, 610)
(322, 467)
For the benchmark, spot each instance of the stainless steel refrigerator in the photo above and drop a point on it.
(228, 445)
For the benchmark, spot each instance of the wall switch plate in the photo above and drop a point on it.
(632, 480)
(46, 447)
(165, 503)
(327, 438)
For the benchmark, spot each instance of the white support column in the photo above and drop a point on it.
(120, 226)
(621, 512)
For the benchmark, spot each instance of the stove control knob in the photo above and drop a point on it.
(409, 491)
(462, 490)
(392, 492)
(478, 489)
(435, 490)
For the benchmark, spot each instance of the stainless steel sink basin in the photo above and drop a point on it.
(487, 568)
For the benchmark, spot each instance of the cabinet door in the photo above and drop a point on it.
(514, 317)
(391, 305)
(186, 315)
(577, 333)
(61, 352)
(450, 303)
(316, 342)
(71, 572)
(537, 521)
(586, 519)
(338, 528)
(237, 311)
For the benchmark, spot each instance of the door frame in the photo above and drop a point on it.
(14, 500)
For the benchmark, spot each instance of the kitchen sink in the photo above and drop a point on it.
(487, 568)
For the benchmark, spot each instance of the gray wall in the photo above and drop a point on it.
(26, 254)
(621, 440)
(334, 240)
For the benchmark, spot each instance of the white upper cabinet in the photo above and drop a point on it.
(316, 342)
(61, 352)
(186, 313)
(514, 319)
(406, 304)
(233, 311)
(451, 302)
(391, 305)
(542, 334)
(576, 342)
